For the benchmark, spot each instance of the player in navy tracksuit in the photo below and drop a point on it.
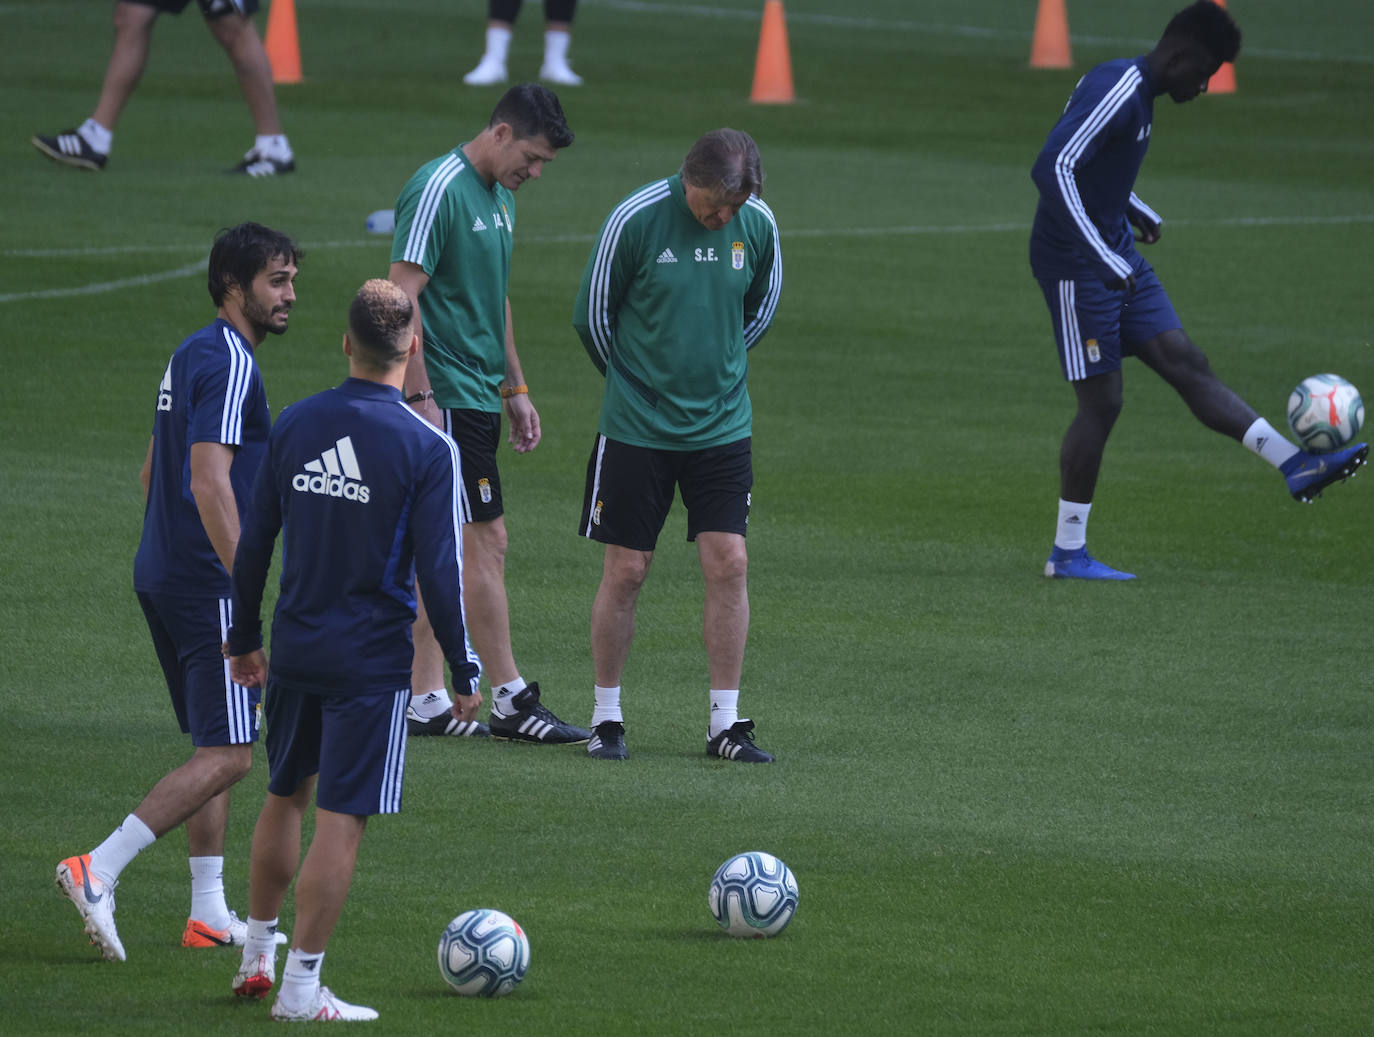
(1105, 300)
(210, 430)
(365, 494)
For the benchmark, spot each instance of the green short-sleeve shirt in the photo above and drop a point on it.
(460, 231)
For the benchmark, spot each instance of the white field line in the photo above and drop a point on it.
(912, 230)
(906, 25)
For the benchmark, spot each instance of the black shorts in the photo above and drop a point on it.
(630, 489)
(211, 9)
(478, 434)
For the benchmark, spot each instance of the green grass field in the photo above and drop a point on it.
(1012, 805)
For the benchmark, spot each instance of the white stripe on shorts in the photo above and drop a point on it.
(238, 707)
(596, 484)
(393, 773)
(1070, 335)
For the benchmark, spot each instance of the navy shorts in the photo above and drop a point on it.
(188, 634)
(355, 743)
(478, 434)
(1096, 326)
(211, 9)
(630, 489)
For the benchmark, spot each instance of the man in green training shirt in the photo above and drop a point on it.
(683, 280)
(451, 254)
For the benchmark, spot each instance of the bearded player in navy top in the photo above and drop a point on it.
(209, 435)
(1104, 298)
(366, 496)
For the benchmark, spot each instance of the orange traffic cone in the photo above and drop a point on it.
(1224, 82)
(1050, 44)
(283, 48)
(773, 65)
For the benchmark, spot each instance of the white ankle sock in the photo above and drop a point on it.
(724, 710)
(431, 703)
(123, 845)
(607, 705)
(207, 892)
(273, 145)
(556, 43)
(1262, 438)
(300, 978)
(262, 938)
(97, 136)
(498, 45)
(1072, 530)
(506, 693)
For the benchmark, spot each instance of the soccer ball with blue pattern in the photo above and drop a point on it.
(753, 894)
(1325, 412)
(484, 953)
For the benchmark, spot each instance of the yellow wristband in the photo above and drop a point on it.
(507, 391)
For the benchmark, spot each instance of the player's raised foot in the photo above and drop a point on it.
(1308, 474)
(737, 743)
(71, 149)
(325, 1008)
(255, 976)
(444, 724)
(1079, 565)
(608, 741)
(532, 721)
(235, 934)
(95, 901)
(559, 72)
(258, 163)
(488, 72)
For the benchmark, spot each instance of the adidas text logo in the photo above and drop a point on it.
(477, 224)
(335, 474)
(666, 256)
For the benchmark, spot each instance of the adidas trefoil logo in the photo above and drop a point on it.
(477, 224)
(335, 474)
(666, 256)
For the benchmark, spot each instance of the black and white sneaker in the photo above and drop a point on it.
(444, 724)
(71, 149)
(737, 743)
(256, 164)
(608, 741)
(532, 721)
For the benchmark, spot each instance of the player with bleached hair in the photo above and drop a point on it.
(364, 495)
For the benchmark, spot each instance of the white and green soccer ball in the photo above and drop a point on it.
(753, 894)
(1325, 412)
(484, 953)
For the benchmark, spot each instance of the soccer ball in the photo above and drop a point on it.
(483, 953)
(1325, 412)
(753, 894)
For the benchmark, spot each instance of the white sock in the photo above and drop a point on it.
(300, 978)
(506, 693)
(607, 705)
(97, 136)
(556, 43)
(207, 892)
(123, 845)
(262, 939)
(724, 710)
(273, 145)
(498, 45)
(431, 703)
(1072, 531)
(1265, 441)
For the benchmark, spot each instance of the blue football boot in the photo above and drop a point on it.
(1308, 474)
(1079, 565)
